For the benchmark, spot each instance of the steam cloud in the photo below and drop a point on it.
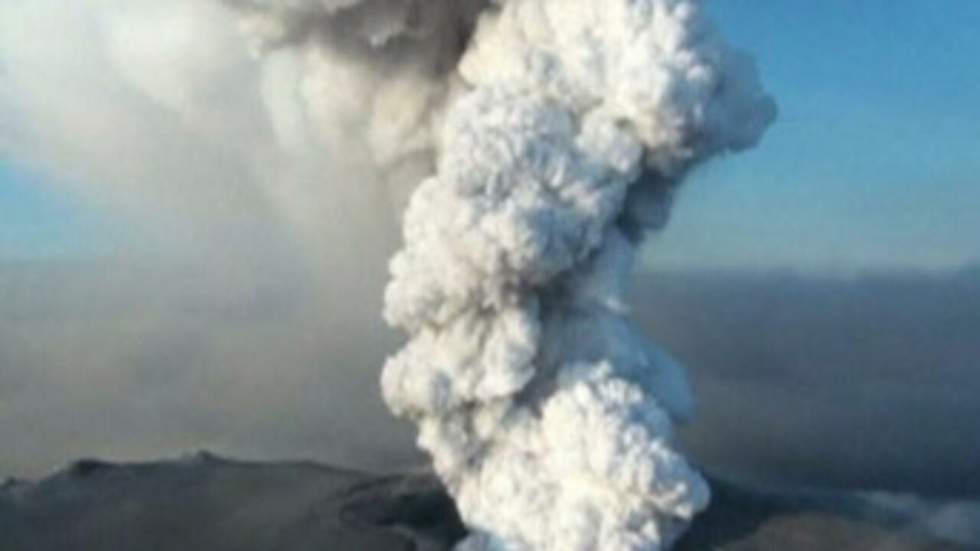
(530, 387)
(559, 136)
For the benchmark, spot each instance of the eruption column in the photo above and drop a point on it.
(547, 414)
(557, 131)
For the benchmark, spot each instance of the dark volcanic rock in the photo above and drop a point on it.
(206, 503)
(211, 504)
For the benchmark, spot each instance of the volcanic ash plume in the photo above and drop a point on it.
(559, 129)
(545, 411)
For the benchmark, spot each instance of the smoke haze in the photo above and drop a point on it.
(244, 268)
(132, 360)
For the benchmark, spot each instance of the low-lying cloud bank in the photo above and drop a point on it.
(856, 383)
(866, 383)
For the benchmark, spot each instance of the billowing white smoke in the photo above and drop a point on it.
(560, 128)
(545, 411)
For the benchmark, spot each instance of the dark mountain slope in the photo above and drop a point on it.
(211, 504)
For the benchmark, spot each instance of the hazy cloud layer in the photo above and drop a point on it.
(868, 383)
(130, 360)
(253, 253)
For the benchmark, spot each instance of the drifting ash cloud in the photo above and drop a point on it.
(248, 223)
(131, 359)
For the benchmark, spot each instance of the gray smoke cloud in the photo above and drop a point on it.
(138, 359)
(256, 249)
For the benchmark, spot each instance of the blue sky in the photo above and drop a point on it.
(875, 160)
(39, 221)
(873, 164)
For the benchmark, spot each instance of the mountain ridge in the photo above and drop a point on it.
(204, 501)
